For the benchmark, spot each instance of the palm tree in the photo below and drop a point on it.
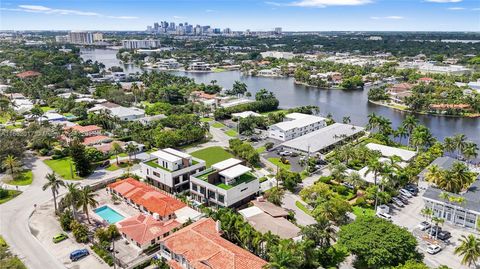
(355, 179)
(410, 123)
(460, 142)
(437, 221)
(275, 195)
(445, 197)
(284, 256)
(71, 198)
(346, 120)
(373, 121)
(470, 151)
(54, 184)
(401, 132)
(434, 174)
(449, 144)
(461, 175)
(469, 248)
(131, 149)
(427, 213)
(376, 167)
(117, 149)
(86, 198)
(12, 164)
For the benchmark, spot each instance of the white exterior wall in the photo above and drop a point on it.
(279, 134)
(231, 196)
(166, 177)
(453, 214)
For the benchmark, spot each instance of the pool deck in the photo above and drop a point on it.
(121, 207)
(114, 208)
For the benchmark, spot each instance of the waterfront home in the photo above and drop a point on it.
(170, 169)
(144, 231)
(86, 131)
(28, 74)
(201, 245)
(277, 54)
(199, 66)
(387, 151)
(228, 183)
(295, 125)
(121, 112)
(273, 72)
(245, 114)
(444, 108)
(400, 88)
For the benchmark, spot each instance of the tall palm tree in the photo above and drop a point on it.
(117, 149)
(131, 149)
(71, 198)
(376, 167)
(461, 175)
(469, 249)
(373, 121)
(54, 184)
(427, 213)
(86, 198)
(355, 179)
(410, 123)
(445, 197)
(449, 144)
(470, 151)
(434, 174)
(346, 120)
(460, 142)
(401, 132)
(11, 164)
(284, 256)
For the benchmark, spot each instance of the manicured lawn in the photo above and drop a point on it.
(218, 70)
(114, 167)
(22, 179)
(212, 155)
(123, 154)
(277, 162)
(218, 125)
(11, 194)
(302, 207)
(261, 149)
(62, 168)
(46, 108)
(231, 133)
(206, 119)
(360, 211)
(276, 111)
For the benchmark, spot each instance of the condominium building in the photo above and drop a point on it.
(226, 184)
(170, 169)
(140, 44)
(295, 125)
(78, 37)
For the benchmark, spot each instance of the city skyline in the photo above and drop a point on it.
(291, 15)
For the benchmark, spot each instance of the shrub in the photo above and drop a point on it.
(3, 193)
(103, 253)
(361, 201)
(340, 189)
(80, 231)
(268, 145)
(66, 220)
(43, 151)
(325, 179)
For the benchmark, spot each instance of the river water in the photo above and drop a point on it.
(339, 103)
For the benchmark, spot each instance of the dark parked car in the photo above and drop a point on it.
(412, 189)
(444, 235)
(403, 199)
(78, 254)
(433, 230)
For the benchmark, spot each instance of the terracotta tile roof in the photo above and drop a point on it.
(28, 74)
(447, 106)
(147, 196)
(144, 228)
(204, 95)
(425, 79)
(92, 140)
(85, 129)
(215, 251)
(174, 264)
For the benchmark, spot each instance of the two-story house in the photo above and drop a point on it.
(226, 184)
(170, 169)
(295, 125)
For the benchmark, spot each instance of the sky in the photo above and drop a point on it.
(291, 15)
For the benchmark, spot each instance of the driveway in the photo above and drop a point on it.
(302, 218)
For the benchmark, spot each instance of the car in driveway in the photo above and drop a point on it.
(397, 202)
(433, 249)
(285, 153)
(403, 199)
(424, 225)
(406, 193)
(412, 189)
(384, 216)
(78, 254)
(59, 238)
(444, 235)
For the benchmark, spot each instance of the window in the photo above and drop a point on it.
(242, 190)
(211, 194)
(176, 181)
(202, 190)
(156, 174)
(221, 198)
(194, 186)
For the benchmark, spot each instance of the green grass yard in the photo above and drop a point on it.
(206, 119)
(302, 207)
(360, 211)
(62, 168)
(21, 179)
(46, 108)
(277, 162)
(212, 155)
(11, 194)
(231, 133)
(218, 125)
(114, 167)
(261, 150)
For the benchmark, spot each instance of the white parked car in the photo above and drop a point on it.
(383, 209)
(384, 216)
(405, 193)
(397, 202)
(423, 226)
(433, 249)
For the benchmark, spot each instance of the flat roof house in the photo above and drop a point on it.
(226, 184)
(324, 139)
(170, 169)
(295, 125)
(405, 155)
(201, 246)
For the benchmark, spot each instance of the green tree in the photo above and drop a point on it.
(378, 243)
(86, 199)
(285, 255)
(469, 250)
(275, 195)
(79, 158)
(117, 149)
(53, 183)
(11, 164)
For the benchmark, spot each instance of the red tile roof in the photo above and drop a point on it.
(144, 228)
(425, 79)
(447, 106)
(85, 129)
(147, 196)
(92, 140)
(28, 74)
(215, 251)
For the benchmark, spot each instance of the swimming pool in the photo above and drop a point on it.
(108, 214)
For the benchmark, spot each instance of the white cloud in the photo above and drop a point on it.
(209, 10)
(444, 1)
(47, 10)
(322, 3)
(179, 17)
(388, 18)
(456, 8)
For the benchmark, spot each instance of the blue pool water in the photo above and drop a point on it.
(108, 214)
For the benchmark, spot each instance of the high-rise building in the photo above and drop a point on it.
(140, 44)
(78, 37)
(278, 30)
(62, 39)
(97, 37)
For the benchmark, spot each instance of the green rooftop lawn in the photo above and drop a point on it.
(123, 154)
(154, 164)
(277, 162)
(231, 133)
(62, 168)
(212, 155)
(245, 178)
(11, 194)
(21, 179)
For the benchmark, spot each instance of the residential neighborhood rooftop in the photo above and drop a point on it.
(387, 151)
(144, 228)
(226, 164)
(235, 171)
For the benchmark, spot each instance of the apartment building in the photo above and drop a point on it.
(226, 184)
(170, 169)
(140, 44)
(295, 125)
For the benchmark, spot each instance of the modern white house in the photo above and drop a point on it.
(228, 183)
(170, 169)
(295, 125)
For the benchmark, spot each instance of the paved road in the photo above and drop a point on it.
(14, 217)
(289, 202)
(15, 214)
(219, 138)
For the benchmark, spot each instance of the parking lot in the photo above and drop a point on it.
(409, 217)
